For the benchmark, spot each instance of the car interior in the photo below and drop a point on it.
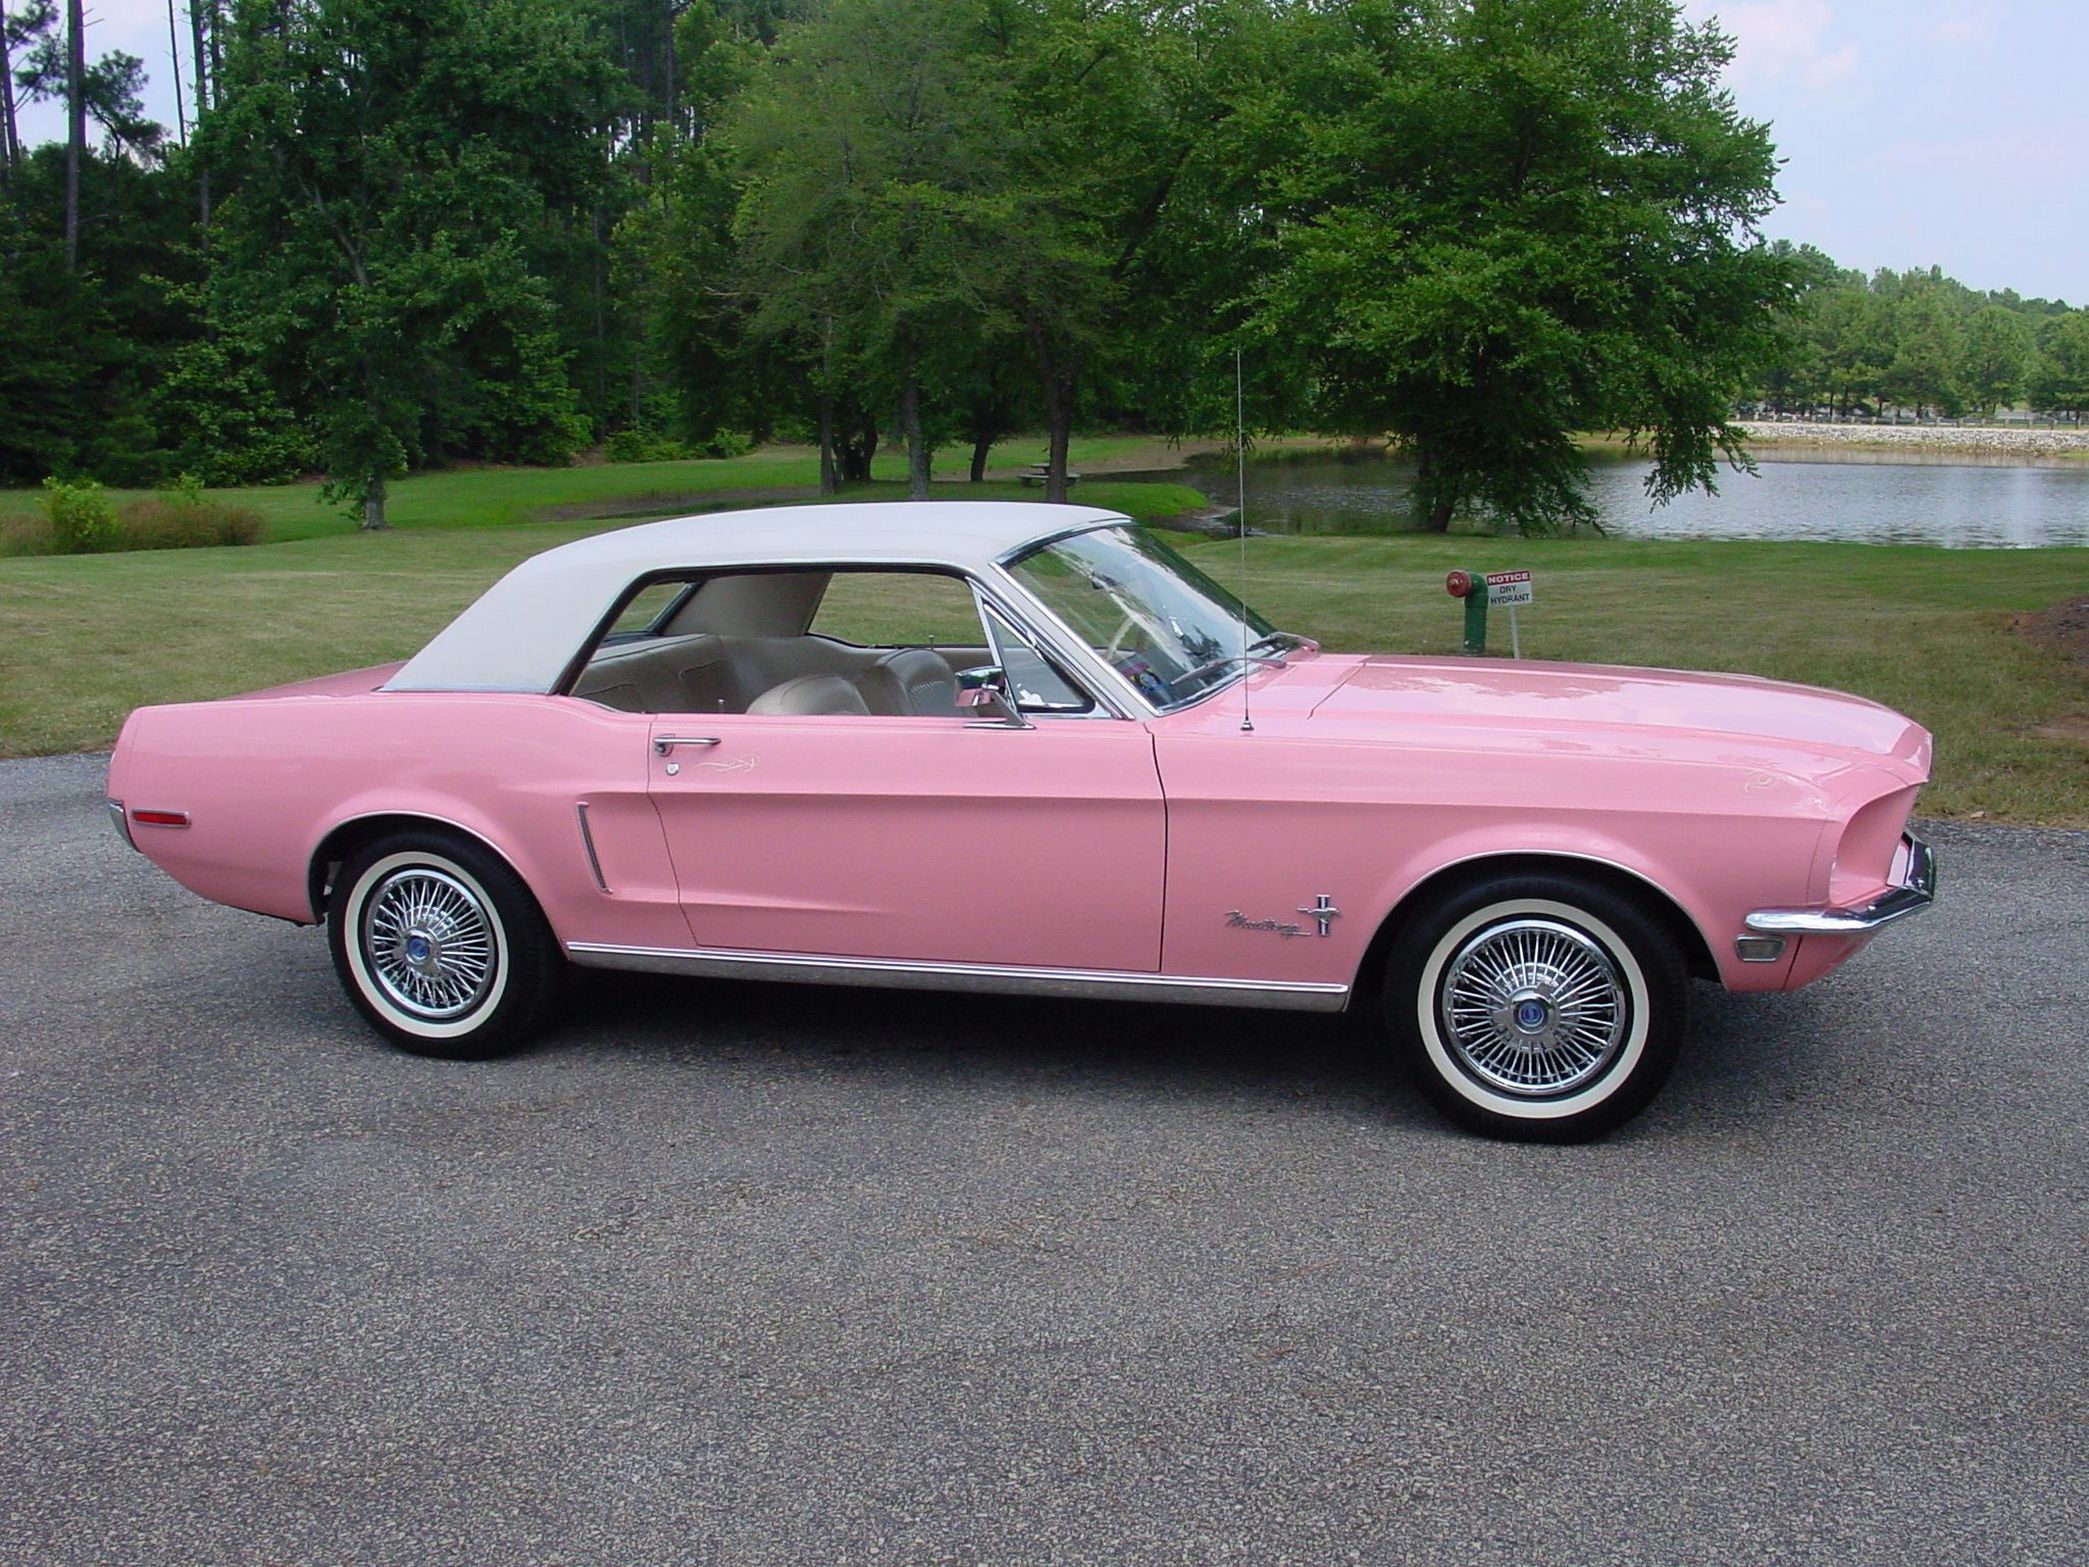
(809, 643)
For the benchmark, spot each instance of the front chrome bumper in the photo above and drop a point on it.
(1916, 891)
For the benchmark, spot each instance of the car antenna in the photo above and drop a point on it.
(1240, 473)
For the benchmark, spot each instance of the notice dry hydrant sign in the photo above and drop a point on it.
(1508, 587)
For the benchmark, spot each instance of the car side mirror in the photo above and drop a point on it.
(985, 690)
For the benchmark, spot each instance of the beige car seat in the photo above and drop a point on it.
(811, 696)
(910, 680)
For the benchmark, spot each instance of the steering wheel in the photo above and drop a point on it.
(1115, 645)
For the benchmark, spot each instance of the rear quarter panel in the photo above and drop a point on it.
(264, 780)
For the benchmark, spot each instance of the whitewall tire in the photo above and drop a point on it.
(440, 946)
(1536, 1007)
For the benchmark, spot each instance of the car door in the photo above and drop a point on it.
(933, 840)
(875, 824)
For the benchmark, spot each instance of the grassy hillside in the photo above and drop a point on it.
(1926, 631)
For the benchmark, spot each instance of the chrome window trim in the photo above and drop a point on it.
(1127, 695)
(1132, 696)
(1114, 695)
(984, 599)
(1030, 546)
(696, 575)
(1076, 654)
(978, 978)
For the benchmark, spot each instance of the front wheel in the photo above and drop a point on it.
(441, 947)
(1537, 1008)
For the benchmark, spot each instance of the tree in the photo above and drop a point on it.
(1524, 218)
(876, 203)
(1851, 329)
(399, 169)
(203, 26)
(992, 398)
(1923, 374)
(220, 418)
(672, 260)
(1120, 117)
(1994, 350)
(75, 124)
(43, 381)
(110, 92)
(21, 37)
(1796, 373)
(2060, 383)
(85, 344)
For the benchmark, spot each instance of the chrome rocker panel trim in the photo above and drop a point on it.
(977, 978)
(1916, 892)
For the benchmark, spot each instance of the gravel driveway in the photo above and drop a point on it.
(746, 1274)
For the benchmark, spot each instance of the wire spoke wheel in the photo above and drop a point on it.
(1537, 1007)
(440, 945)
(428, 942)
(1533, 1007)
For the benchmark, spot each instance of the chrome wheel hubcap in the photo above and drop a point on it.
(1533, 1007)
(428, 943)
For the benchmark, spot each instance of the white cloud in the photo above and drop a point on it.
(1784, 38)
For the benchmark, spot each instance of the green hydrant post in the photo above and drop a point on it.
(1472, 587)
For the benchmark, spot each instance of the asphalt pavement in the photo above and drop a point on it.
(753, 1274)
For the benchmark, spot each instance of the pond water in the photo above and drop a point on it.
(1962, 501)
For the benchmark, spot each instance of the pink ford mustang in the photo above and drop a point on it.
(1030, 749)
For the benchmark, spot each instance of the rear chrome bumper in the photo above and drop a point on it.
(1916, 891)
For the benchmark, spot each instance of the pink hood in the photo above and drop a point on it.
(1671, 715)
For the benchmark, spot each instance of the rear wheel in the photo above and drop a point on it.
(1536, 1007)
(441, 947)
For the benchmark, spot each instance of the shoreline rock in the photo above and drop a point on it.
(1997, 440)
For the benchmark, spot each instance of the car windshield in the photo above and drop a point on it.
(1159, 621)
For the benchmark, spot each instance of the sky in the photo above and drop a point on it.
(1914, 133)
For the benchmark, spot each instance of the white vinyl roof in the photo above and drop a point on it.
(524, 630)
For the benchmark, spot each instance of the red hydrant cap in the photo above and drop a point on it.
(1458, 584)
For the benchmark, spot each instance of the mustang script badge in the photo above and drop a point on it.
(1235, 920)
(1322, 911)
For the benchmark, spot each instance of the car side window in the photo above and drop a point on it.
(646, 610)
(814, 643)
(1035, 682)
(893, 609)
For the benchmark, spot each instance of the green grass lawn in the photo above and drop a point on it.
(501, 497)
(85, 638)
(1921, 630)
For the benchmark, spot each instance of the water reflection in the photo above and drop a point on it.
(1869, 497)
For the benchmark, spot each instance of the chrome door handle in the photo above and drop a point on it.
(662, 744)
